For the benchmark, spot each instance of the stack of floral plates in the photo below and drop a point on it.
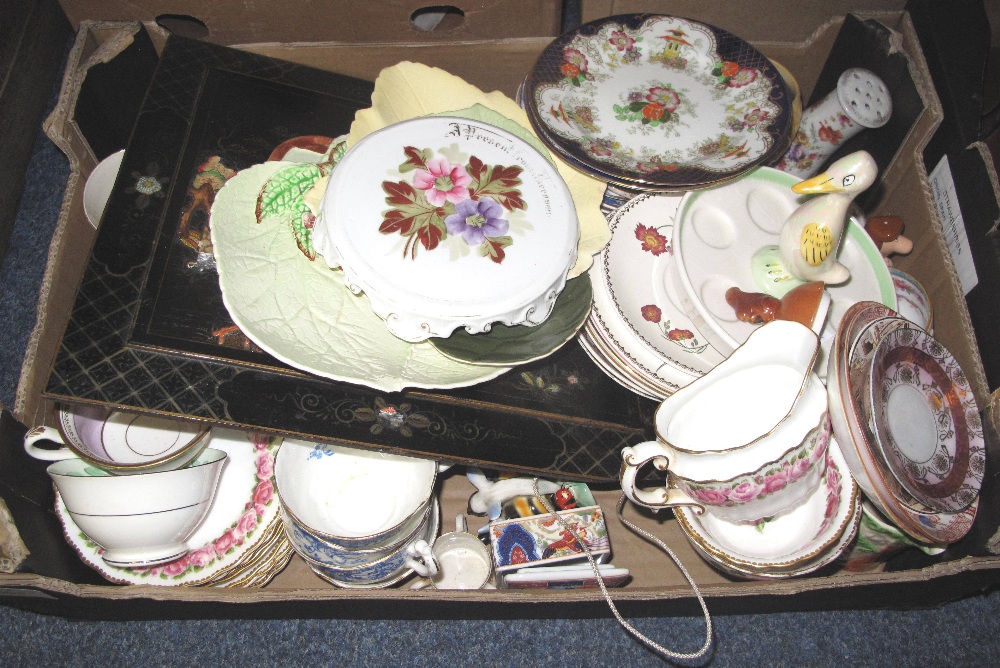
(908, 422)
(637, 331)
(241, 542)
(812, 535)
(657, 102)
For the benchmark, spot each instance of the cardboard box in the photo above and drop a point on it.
(54, 580)
(324, 20)
(33, 37)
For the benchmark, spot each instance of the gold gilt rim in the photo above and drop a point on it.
(803, 388)
(697, 537)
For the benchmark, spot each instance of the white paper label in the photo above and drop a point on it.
(950, 213)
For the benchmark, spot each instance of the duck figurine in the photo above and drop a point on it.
(811, 235)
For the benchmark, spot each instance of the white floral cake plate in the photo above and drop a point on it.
(447, 222)
(298, 309)
(658, 101)
(790, 542)
(241, 517)
(926, 420)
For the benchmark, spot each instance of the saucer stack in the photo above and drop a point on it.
(909, 424)
(637, 332)
(241, 542)
(812, 535)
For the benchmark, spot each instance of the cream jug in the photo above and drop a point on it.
(747, 440)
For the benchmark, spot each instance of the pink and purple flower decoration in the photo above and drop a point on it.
(468, 201)
(442, 182)
(477, 221)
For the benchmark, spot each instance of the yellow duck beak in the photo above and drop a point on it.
(821, 183)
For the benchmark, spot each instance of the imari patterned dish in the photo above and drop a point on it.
(287, 301)
(658, 102)
(541, 540)
(445, 222)
(795, 542)
(850, 362)
(716, 233)
(926, 420)
(242, 521)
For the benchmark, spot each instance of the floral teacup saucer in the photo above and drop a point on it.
(788, 544)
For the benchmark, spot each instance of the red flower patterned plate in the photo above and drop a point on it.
(634, 309)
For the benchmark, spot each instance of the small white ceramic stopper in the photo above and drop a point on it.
(860, 101)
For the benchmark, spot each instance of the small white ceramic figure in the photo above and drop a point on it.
(811, 235)
(491, 496)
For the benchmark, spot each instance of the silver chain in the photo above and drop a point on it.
(607, 596)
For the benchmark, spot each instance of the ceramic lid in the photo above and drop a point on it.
(864, 97)
(445, 222)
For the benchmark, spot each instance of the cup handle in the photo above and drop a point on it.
(637, 456)
(421, 559)
(36, 434)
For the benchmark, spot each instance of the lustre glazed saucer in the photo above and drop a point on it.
(863, 325)
(926, 420)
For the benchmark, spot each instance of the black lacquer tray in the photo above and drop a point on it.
(149, 331)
